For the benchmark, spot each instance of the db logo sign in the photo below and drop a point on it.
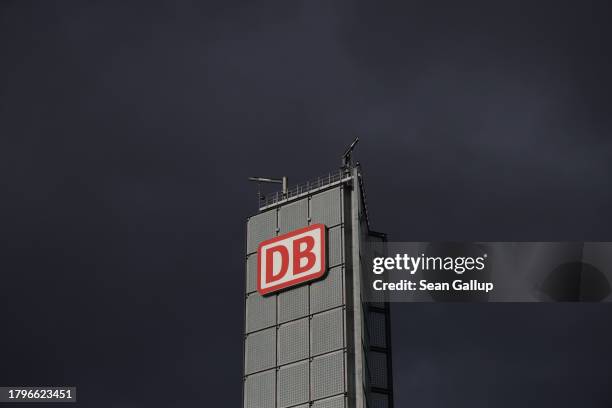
(292, 258)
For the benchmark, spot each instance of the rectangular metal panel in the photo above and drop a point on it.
(293, 303)
(378, 400)
(260, 350)
(327, 293)
(377, 363)
(327, 375)
(326, 207)
(293, 216)
(293, 384)
(334, 246)
(251, 273)
(260, 390)
(377, 329)
(293, 341)
(260, 312)
(259, 228)
(327, 331)
(333, 402)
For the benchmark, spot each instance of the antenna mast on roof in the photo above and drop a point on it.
(259, 180)
(347, 161)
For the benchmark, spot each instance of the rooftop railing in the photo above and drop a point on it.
(299, 189)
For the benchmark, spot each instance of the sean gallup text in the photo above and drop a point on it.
(472, 285)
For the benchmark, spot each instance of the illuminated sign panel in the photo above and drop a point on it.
(291, 259)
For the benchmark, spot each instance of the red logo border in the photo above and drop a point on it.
(310, 277)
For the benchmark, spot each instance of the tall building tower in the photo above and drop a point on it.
(316, 343)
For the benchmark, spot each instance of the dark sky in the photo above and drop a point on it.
(127, 131)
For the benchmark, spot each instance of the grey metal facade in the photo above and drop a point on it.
(317, 344)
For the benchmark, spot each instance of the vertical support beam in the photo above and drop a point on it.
(357, 306)
(348, 294)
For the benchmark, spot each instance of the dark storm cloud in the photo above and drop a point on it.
(128, 131)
